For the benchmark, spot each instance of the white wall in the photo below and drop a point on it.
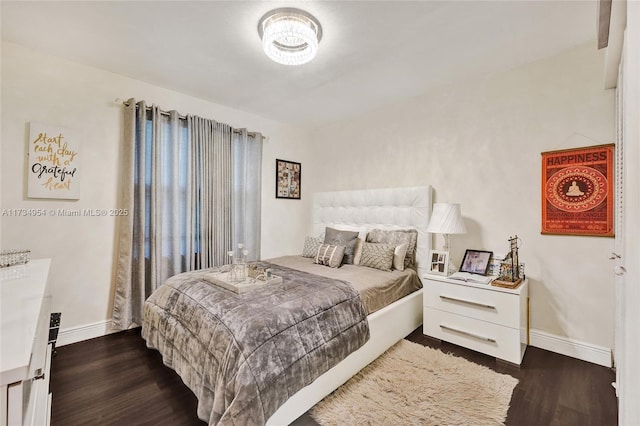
(479, 143)
(47, 89)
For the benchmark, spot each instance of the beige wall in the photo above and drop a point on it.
(479, 143)
(47, 89)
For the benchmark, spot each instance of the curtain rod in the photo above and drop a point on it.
(184, 117)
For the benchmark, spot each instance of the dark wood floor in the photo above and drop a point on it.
(116, 380)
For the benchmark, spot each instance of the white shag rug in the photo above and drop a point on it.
(415, 385)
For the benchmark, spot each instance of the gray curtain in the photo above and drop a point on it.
(211, 193)
(126, 296)
(247, 191)
(178, 189)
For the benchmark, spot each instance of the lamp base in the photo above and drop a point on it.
(452, 268)
(445, 247)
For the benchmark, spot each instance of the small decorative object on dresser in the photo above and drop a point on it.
(13, 257)
(471, 278)
(439, 262)
(476, 261)
(510, 273)
(288, 179)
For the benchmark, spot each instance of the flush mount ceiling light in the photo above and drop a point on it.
(290, 36)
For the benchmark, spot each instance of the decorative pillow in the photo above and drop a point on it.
(329, 255)
(311, 245)
(357, 251)
(347, 239)
(361, 230)
(398, 256)
(379, 256)
(395, 237)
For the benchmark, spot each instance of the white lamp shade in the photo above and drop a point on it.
(446, 219)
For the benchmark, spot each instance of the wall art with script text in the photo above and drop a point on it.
(54, 162)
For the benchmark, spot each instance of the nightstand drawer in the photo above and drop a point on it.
(480, 303)
(492, 339)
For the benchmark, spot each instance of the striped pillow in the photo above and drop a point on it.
(329, 255)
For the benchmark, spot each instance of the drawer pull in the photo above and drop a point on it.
(466, 333)
(468, 302)
(39, 375)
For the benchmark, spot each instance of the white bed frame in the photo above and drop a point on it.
(393, 208)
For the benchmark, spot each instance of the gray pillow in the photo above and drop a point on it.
(336, 237)
(379, 256)
(395, 237)
(329, 255)
(311, 245)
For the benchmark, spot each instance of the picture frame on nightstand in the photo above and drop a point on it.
(476, 261)
(438, 262)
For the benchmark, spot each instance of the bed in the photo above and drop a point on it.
(354, 333)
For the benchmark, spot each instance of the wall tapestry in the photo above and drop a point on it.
(288, 178)
(53, 162)
(577, 191)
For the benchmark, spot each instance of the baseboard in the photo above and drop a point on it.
(84, 332)
(569, 347)
(540, 339)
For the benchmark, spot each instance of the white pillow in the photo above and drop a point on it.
(357, 251)
(398, 256)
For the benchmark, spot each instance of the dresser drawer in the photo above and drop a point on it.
(38, 411)
(479, 303)
(492, 339)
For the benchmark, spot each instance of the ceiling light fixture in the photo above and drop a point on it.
(290, 36)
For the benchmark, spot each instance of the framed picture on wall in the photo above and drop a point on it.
(577, 191)
(54, 162)
(438, 262)
(288, 179)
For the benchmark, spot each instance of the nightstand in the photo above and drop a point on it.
(487, 319)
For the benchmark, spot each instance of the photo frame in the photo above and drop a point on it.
(288, 179)
(476, 261)
(577, 191)
(438, 262)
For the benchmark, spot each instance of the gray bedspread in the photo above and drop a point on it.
(377, 288)
(244, 355)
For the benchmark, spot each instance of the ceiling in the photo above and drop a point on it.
(372, 53)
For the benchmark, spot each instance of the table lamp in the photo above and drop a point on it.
(446, 219)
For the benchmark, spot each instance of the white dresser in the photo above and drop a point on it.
(487, 319)
(25, 355)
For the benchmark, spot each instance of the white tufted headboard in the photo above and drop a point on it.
(389, 208)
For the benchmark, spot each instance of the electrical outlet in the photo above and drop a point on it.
(55, 319)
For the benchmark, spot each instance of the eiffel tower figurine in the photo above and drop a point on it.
(510, 267)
